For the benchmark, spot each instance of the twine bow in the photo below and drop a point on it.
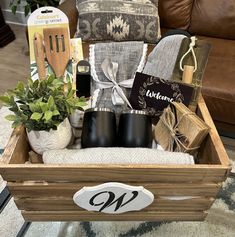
(110, 70)
(169, 120)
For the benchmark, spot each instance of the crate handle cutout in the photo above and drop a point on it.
(113, 198)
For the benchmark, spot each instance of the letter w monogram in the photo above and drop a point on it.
(111, 200)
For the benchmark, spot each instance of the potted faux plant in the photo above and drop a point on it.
(43, 108)
(31, 5)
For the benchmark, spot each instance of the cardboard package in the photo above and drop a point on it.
(51, 49)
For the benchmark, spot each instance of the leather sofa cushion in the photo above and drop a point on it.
(214, 18)
(175, 13)
(225, 129)
(69, 8)
(218, 82)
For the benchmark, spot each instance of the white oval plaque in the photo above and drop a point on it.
(113, 198)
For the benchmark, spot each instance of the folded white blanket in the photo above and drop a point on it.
(114, 155)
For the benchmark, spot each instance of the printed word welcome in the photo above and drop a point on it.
(158, 96)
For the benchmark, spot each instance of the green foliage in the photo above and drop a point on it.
(32, 5)
(41, 104)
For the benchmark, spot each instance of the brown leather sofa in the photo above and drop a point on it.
(214, 21)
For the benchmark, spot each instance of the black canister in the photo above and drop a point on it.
(99, 128)
(135, 129)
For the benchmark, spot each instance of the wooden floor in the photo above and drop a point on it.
(14, 60)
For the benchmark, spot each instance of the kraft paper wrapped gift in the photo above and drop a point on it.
(179, 129)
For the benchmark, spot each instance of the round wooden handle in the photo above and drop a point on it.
(188, 74)
(39, 55)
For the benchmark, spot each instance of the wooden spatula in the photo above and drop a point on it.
(57, 46)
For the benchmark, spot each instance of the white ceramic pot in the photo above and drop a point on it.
(41, 141)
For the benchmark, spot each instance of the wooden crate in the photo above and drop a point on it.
(44, 192)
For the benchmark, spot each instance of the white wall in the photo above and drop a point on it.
(18, 18)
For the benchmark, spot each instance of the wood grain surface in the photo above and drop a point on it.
(130, 216)
(33, 189)
(67, 204)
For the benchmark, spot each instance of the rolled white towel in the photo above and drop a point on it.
(116, 155)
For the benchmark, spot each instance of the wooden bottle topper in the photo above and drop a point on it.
(188, 74)
(201, 50)
(39, 55)
(187, 77)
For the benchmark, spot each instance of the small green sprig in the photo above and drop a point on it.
(31, 4)
(41, 104)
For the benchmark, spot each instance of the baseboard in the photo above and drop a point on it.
(15, 23)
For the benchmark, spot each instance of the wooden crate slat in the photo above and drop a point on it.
(115, 173)
(16, 151)
(159, 204)
(129, 216)
(219, 150)
(33, 189)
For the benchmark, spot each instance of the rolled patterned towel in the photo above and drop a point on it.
(116, 155)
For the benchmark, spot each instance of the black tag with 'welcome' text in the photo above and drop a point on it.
(153, 94)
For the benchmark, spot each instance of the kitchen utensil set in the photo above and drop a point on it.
(55, 44)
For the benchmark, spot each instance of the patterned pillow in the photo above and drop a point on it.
(118, 20)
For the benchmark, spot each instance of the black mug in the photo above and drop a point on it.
(135, 129)
(99, 128)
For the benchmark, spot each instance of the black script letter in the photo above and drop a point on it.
(111, 200)
(119, 201)
(91, 202)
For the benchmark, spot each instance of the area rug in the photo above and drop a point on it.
(219, 222)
